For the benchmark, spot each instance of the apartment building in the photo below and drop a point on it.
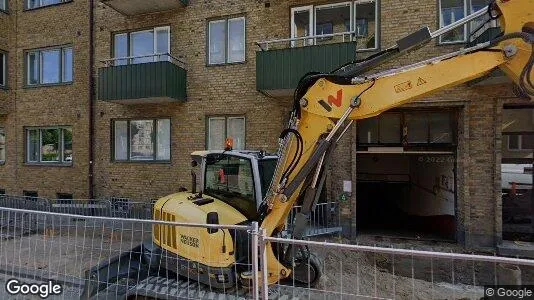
(44, 115)
(172, 77)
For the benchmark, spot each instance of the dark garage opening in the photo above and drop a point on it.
(406, 180)
(406, 195)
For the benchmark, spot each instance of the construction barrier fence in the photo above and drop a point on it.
(101, 257)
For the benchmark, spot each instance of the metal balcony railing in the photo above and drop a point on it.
(140, 59)
(310, 40)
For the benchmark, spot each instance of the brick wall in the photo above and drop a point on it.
(47, 106)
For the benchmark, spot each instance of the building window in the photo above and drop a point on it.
(407, 128)
(384, 129)
(3, 5)
(142, 46)
(142, 140)
(2, 145)
(348, 21)
(51, 145)
(519, 142)
(3, 69)
(226, 41)
(49, 66)
(221, 128)
(30, 195)
(31, 4)
(64, 198)
(2, 191)
(451, 11)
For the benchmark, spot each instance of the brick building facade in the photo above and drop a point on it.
(225, 82)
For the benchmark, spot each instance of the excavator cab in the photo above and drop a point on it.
(238, 178)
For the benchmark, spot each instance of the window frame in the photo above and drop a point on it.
(519, 142)
(4, 69)
(30, 195)
(6, 7)
(467, 4)
(226, 118)
(3, 130)
(61, 149)
(61, 67)
(468, 9)
(353, 4)
(128, 145)
(427, 113)
(129, 47)
(253, 169)
(27, 4)
(226, 20)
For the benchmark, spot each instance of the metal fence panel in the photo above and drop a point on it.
(356, 272)
(324, 220)
(83, 207)
(111, 258)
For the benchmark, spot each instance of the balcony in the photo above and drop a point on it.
(278, 70)
(142, 79)
(138, 7)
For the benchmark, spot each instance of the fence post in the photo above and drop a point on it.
(263, 264)
(255, 269)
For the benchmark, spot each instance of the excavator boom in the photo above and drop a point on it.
(327, 104)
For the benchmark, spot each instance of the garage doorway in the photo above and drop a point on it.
(406, 175)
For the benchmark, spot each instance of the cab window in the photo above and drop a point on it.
(231, 180)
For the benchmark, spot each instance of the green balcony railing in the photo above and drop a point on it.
(127, 80)
(281, 69)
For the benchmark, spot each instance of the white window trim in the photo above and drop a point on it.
(129, 140)
(209, 129)
(226, 118)
(61, 149)
(244, 127)
(61, 65)
(377, 21)
(227, 41)
(311, 27)
(155, 52)
(162, 28)
(441, 42)
(332, 5)
(4, 69)
(313, 17)
(154, 143)
(209, 40)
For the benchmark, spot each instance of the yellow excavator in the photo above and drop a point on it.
(235, 185)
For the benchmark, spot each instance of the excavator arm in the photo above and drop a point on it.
(330, 103)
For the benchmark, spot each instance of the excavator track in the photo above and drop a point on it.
(165, 288)
(154, 287)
